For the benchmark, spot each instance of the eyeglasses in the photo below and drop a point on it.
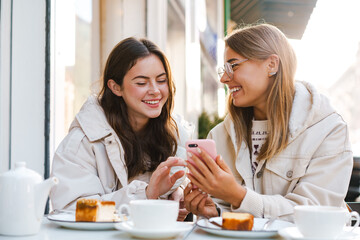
(228, 68)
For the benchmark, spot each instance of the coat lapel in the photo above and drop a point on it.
(242, 162)
(243, 165)
(116, 156)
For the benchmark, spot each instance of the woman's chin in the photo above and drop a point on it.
(154, 114)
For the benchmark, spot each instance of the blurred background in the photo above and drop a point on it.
(53, 53)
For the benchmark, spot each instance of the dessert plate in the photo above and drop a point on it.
(128, 227)
(293, 233)
(255, 233)
(67, 219)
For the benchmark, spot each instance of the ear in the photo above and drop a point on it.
(273, 64)
(114, 87)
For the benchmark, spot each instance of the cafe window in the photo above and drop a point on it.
(75, 61)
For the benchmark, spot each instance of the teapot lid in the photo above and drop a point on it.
(21, 172)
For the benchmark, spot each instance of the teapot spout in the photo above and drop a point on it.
(42, 191)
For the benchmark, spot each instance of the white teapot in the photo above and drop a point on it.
(23, 195)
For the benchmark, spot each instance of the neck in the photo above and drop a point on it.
(260, 114)
(138, 125)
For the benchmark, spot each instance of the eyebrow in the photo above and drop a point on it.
(232, 59)
(145, 77)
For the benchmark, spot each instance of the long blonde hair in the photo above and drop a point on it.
(259, 42)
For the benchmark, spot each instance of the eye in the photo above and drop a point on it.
(164, 80)
(234, 65)
(141, 83)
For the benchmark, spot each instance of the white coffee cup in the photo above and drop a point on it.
(151, 214)
(323, 221)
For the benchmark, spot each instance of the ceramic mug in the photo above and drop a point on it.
(151, 214)
(323, 221)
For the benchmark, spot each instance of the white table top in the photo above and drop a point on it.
(51, 231)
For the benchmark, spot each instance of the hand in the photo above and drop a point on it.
(199, 203)
(215, 178)
(161, 181)
(178, 195)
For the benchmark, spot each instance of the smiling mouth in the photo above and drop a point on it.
(235, 89)
(151, 102)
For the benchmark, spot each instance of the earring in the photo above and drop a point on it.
(272, 74)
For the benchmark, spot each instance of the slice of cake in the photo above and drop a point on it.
(94, 210)
(107, 211)
(237, 221)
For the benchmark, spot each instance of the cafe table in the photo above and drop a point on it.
(51, 231)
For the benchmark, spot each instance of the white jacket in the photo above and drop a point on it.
(90, 162)
(314, 169)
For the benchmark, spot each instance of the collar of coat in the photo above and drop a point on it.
(309, 107)
(90, 115)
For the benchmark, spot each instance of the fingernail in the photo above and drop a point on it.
(189, 154)
(199, 150)
(204, 193)
(189, 185)
(199, 190)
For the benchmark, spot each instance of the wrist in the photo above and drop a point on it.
(148, 193)
(239, 195)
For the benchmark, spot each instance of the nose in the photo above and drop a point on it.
(225, 78)
(154, 89)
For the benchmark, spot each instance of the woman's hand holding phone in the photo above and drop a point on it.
(214, 177)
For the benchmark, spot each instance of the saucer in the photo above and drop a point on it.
(128, 227)
(293, 233)
(256, 232)
(67, 220)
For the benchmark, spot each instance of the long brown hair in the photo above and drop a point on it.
(259, 42)
(159, 138)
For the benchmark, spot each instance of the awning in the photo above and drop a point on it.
(291, 16)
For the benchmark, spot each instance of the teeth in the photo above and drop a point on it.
(152, 102)
(235, 89)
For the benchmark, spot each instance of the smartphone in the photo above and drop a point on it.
(207, 145)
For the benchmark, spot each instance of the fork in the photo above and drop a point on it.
(211, 221)
(268, 223)
(58, 211)
(215, 223)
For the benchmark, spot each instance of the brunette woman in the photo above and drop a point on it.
(123, 143)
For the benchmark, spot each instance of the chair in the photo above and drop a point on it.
(353, 206)
(354, 186)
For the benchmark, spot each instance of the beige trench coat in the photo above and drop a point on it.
(90, 162)
(314, 169)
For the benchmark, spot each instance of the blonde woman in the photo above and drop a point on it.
(281, 144)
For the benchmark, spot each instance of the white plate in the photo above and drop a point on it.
(129, 228)
(293, 233)
(255, 233)
(67, 219)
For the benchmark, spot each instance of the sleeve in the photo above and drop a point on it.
(324, 182)
(75, 164)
